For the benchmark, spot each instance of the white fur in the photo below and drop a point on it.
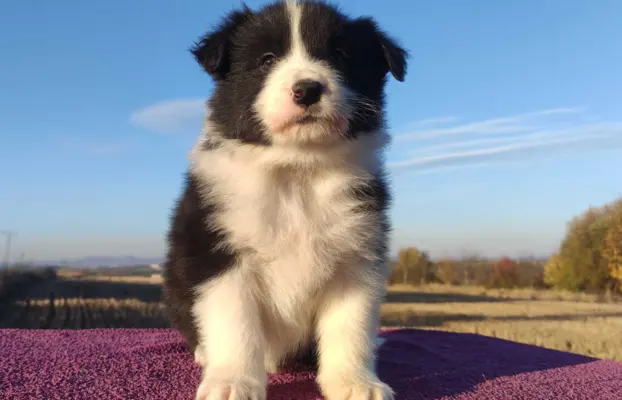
(303, 248)
(232, 357)
(275, 106)
(306, 263)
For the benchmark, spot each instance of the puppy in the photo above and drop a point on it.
(279, 239)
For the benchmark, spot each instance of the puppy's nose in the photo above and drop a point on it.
(307, 92)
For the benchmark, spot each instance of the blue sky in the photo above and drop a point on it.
(508, 123)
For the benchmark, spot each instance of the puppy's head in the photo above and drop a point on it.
(298, 72)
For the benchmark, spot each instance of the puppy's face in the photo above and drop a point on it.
(296, 73)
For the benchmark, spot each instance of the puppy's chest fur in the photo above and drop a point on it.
(292, 229)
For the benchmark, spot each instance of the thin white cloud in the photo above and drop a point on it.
(512, 124)
(433, 121)
(172, 116)
(400, 171)
(483, 153)
(475, 143)
(509, 139)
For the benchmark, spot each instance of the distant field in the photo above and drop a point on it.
(579, 323)
(79, 304)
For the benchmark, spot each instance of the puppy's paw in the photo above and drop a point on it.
(199, 357)
(369, 389)
(238, 389)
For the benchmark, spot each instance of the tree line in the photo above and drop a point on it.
(589, 258)
(415, 267)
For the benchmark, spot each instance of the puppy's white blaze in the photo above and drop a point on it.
(275, 106)
(295, 15)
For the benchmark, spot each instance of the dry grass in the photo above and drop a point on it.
(86, 303)
(578, 323)
(81, 313)
(523, 293)
(154, 278)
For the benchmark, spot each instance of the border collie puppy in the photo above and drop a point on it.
(278, 242)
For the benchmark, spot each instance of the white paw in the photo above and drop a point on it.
(199, 357)
(216, 389)
(371, 389)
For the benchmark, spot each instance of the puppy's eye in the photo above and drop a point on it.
(267, 61)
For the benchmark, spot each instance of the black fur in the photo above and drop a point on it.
(375, 197)
(232, 54)
(360, 52)
(193, 257)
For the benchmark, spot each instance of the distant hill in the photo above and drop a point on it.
(102, 261)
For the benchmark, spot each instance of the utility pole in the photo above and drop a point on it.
(7, 249)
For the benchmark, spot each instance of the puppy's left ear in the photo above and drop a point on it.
(213, 50)
(393, 55)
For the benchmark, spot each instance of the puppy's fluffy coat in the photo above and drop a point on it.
(279, 239)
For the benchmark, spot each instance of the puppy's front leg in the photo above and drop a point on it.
(231, 339)
(347, 327)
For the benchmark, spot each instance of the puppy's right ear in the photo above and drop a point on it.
(212, 51)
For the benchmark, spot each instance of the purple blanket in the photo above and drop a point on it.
(153, 364)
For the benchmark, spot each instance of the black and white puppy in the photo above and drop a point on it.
(279, 239)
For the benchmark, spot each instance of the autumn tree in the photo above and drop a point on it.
(472, 269)
(612, 247)
(554, 271)
(446, 271)
(580, 263)
(530, 272)
(504, 274)
(414, 266)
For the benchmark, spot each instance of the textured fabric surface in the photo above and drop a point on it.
(153, 364)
